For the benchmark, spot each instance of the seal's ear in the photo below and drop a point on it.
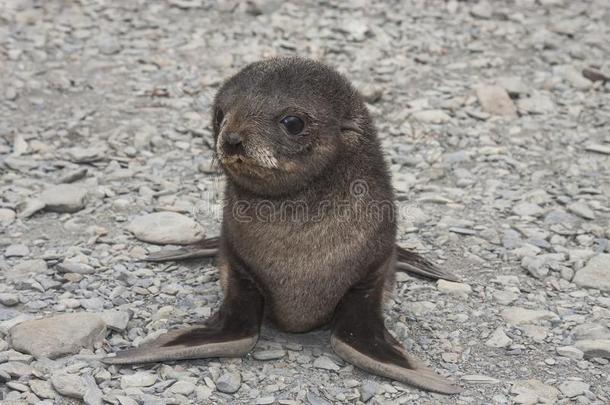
(351, 132)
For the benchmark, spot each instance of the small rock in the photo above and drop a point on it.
(325, 363)
(544, 392)
(166, 228)
(536, 266)
(498, 339)
(528, 209)
(517, 315)
(495, 100)
(57, 336)
(570, 352)
(586, 331)
(269, 354)
(432, 116)
(64, 198)
(69, 385)
(73, 266)
(183, 388)
(7, 216)
(573, 76)
(229, 383)
(9, 299)
(115, 320)
(16, 250)
(596, 274)
(582, 210)
(573, 389)
(603, 149)
(537, 103)
(29, 207)
(25, 270)
(42, 389)
(449, 287)
(594, 348)
(139, 379)
(368, 390)
(479, 379)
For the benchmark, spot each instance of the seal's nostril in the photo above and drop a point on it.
(233, 138)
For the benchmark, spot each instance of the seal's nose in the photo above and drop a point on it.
(232, 143)
(233, 138)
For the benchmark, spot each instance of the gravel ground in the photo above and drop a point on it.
(495, 117)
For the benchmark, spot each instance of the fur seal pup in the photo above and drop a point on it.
(308, 231)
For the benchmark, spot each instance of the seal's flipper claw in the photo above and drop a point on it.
(206, 248)
(190, 343)
(414, 264)
(403, 367)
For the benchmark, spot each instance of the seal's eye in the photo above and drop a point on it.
(294, 125)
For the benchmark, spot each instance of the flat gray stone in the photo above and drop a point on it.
(25, 270)
(517, 315)
(64, 198)
(495, 100)
(69, 385)
(596, 274)
(325, 363)
(573, 389)
(166, 228)
(229, 383)
(59, 335)
(594, 348)
(139, 379)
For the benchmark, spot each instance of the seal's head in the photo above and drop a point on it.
(281, 123)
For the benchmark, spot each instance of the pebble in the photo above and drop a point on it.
(450, 287)
(138, 379)
(269, 354)
(537, 104)
(166, 228)
(9, 299)
(573, 389)
(229, 382)
(518, 315)
(479, 379)
(58, 335)
(596, 274)
(7, 216)
(514, 85)
(42, 389)
(582, 210)
(432, 116)
(495, 100)
(64, 198)
(183, 388)
(27, 269)
(16, 250)
(115, 320)
(69, 385)
(325, 363)
(498, 339)
(570, 352)
(594, 348)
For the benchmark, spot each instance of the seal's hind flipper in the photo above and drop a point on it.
(206, 248)
(189, 343)
(360, 337)
(415, 264)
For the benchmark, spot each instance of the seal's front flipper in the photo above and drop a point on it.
(413, 263)
(230, 332)
(206, 248)
(360, 337)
